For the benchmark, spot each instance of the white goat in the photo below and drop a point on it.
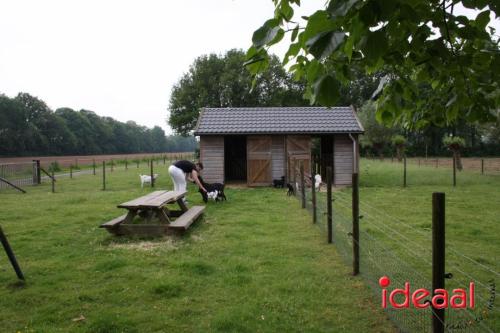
(317, 182)
(147, 179)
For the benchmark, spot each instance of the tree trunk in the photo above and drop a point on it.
(399, 153)
(458, 160)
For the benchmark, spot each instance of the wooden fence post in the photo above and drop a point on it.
(313, 198)
(438, 256)
(355, 223)
(71, 172)
(437, 162)
(38, 173)
(152, 178)
(454, 171)
(53, 181)
(104, 175)
(302, 185)
(93, 165)
(404, 171)
(329, 208)
(10, 254)
(482, 166)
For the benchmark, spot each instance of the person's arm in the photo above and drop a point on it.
(194, 174)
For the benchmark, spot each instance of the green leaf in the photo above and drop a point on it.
(323, 44)
(340, 7)
(314, 69)
(374, 45)
(482, 19)
(326, 91)
(318, 22)
(293, 50)
(266, 33)
(348, 46)
(285, 10)
(295, 32)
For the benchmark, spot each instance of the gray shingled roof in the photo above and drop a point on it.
(274, 120)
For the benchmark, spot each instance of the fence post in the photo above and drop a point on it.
(482, 166)
(152, 178)
(164, 159)
(104, 175)
(53, 181)
(355, 224)
(93, 165)
(71, 172)
(454, 171)
(126, 164)
(404, 171)
(438, 256)
(419, 161)
(10, 254)
(302, 185)
(38, 173)
(329, 209)
(313, 197)
(437, 162)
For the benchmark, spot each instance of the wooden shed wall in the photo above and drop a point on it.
(278, 157)
(343, 159)
(212, 157)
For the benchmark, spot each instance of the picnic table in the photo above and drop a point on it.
(149, 215)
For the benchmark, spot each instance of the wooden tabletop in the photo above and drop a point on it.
(154, 199)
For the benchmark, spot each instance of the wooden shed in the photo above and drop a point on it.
(257, 145)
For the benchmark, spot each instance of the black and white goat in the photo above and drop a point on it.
(215, 191)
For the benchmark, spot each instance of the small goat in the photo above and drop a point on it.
(291, 190)
(279, 183)
(317, 182)
(147, 179)
(215, 191)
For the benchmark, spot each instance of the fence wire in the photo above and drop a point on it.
(19, 174)
(389, 247)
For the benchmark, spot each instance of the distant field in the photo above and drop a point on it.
(489, 165)
(66, 161)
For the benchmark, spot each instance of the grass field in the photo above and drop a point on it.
(396, 230)
(254, 264)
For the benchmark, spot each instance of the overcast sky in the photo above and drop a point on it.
(115, 57)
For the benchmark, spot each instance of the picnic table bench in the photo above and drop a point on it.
(149, 215)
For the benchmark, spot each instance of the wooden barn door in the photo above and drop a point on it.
(298, 149)
(259, 160)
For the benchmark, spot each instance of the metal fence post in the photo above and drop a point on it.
(355, 224)
(302, 185)
(454, 171)
(404, 171)
(152, 178)
(104, 175)
(313, 198)
(438, 256)
(329, 208)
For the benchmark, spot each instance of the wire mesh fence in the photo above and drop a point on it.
(19, 174)
(389, 247)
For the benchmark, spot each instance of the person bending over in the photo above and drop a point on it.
(182, 170)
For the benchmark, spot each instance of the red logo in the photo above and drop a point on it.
(419, 298)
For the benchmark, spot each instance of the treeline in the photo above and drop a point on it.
(29, 127)
(378, 140)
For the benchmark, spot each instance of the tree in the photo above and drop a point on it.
(437, 63)
(455, 144)
(399, 142)
(376, 135)
(221, 81)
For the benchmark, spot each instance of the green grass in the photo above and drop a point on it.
(253, 264)
(396, 228)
